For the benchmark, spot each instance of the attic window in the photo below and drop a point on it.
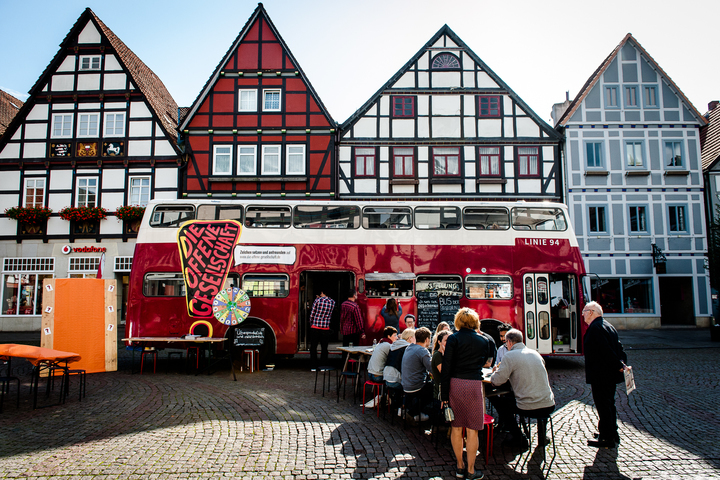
(445, 61)
(90, 62)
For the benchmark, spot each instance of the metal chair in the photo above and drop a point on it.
(326, 373)
(376, 390)
(148, 351)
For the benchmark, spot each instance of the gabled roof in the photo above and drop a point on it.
(595, 77)
(711, 139)
(9, 107)
(259, 11)
(149, 84)
(446, 30)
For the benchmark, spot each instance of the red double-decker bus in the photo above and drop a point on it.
(514, 262)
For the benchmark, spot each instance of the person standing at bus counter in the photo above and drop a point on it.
(320, 327)
(466, 352)
(409, 320)
(604, 364)
(351, 322)
(391, 312)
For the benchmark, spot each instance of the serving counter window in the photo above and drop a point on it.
(488, 287)
(389, 284)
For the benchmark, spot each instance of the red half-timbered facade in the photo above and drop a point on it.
(258, 127)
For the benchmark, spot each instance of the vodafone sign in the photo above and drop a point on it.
(67, 249)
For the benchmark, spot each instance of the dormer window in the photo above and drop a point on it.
(90, 62)
(445, 61)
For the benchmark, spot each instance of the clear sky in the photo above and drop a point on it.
(350, 48)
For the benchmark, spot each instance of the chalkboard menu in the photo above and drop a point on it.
(448, 308)
(249, 337)
(428, 309)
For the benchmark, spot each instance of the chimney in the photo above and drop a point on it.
(712, 105)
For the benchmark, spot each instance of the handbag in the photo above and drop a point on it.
(448, 413)
(629, 379)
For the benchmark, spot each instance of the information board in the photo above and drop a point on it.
(448, 308)
(428, 309)
(249, 337)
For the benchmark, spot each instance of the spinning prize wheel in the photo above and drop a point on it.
(231, 306)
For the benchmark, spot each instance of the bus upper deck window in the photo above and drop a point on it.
(387, 217)
(326, 216)
(169, 216)
(268, 217)
(486, 218)
(488, 287)
(434, 218)
(220, 212)
(536, 218)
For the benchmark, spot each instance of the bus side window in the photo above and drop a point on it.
(167, 216)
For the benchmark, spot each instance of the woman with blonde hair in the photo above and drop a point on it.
(466, 352)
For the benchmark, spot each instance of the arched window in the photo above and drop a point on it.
(445, 61)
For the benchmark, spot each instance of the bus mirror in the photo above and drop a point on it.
(361, 285)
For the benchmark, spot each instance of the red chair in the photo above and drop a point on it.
(376, 392)
(148, 351)
(489, 421)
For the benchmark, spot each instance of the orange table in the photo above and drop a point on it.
(42, 359)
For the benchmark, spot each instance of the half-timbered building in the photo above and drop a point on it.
(635, 192)
(97, 132)
(445, 125)
(258, 128)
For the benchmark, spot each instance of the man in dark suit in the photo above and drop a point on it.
(604, 365)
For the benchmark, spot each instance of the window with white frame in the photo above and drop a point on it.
(594, 154)
(528, 161)
(596, 220)
(62, 125)
(634, 154)
(650, 96)
(270, 160)
(123, 264)
(631, 96)
(489, 158)
(83, 267)
(446, 161)
(114, 124)
(673, 153)
(22, 284)
(247, 160)
(611, 97)
(295, 160)
(677, 219)
(87, 191)
(222, 159)
(88, 124)
(34, 192)
(247, 100)
(90, 62)
(271, 100)
(638, 219)
(365, 161)
(139, 191)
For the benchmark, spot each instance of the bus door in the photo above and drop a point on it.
(536, 298)
(334, 284)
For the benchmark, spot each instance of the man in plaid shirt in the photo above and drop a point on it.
(351, 323)
(320, 327)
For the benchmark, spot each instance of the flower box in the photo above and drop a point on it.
(81, 214)
(130, 213)
(29, 215)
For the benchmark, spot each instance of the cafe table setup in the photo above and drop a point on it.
(45, 361)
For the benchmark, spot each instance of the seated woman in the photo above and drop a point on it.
(376, 364)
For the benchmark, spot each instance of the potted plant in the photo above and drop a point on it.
(30, 219)
(131, 216)
(84, 220)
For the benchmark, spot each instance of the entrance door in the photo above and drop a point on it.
(335, 285)
(537, 312)
(676, 301)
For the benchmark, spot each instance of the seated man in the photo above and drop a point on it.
(376, 364)
(416, 365)
(393, 364)
(525, 369)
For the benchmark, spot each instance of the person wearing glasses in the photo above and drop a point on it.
(604, 364)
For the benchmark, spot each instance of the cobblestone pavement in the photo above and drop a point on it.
(272, 425)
